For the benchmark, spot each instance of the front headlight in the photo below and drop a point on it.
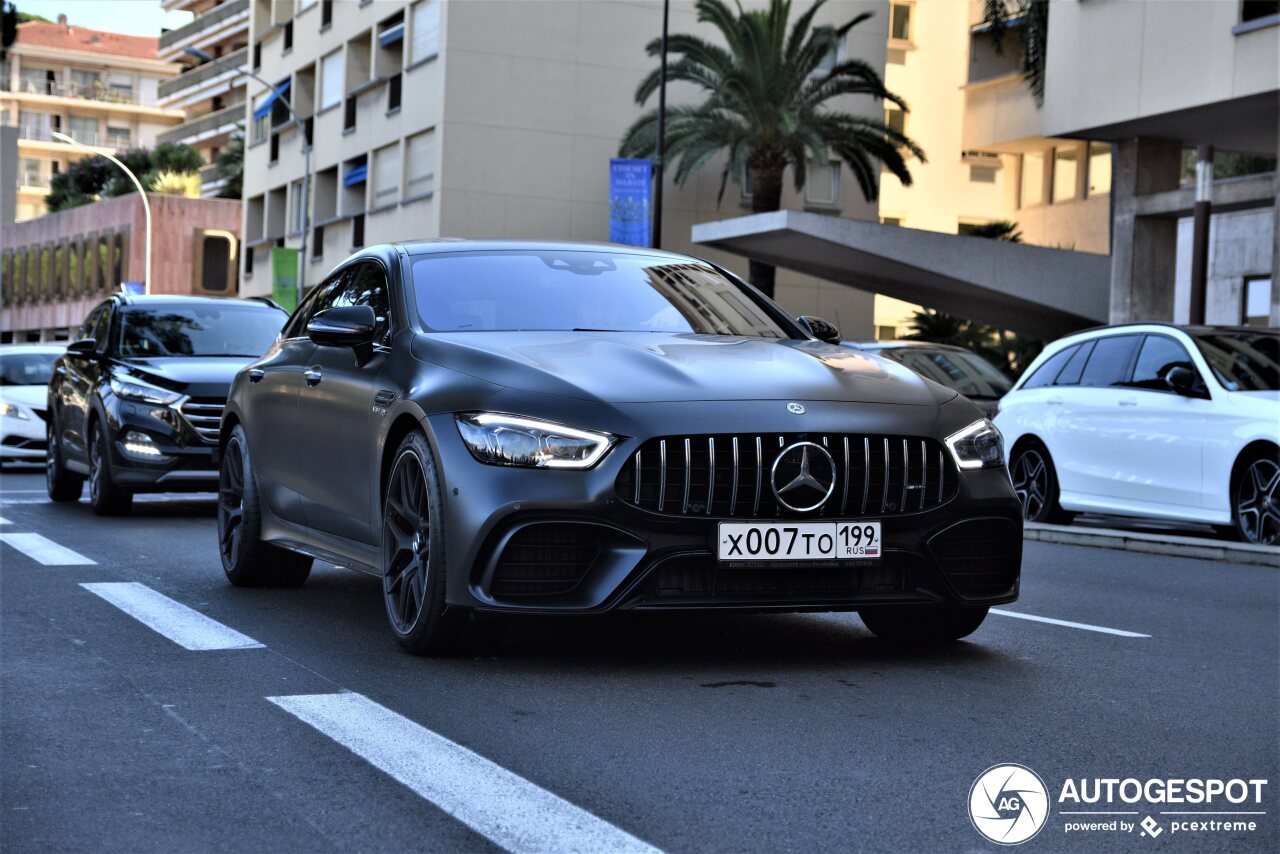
(13, 410)
(978, 446)
(509, 440)
(145, 392)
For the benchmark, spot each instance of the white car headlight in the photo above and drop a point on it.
(145, 392)
(510, 440)
(13, 410)
(978, 446)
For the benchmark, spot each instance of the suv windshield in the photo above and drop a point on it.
(26, 368)
(583, 291)
(198, 330)
(1242, 360)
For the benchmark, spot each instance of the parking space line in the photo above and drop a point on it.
(1070, 625)
(186, 627)
(44, 550)
(501, 806)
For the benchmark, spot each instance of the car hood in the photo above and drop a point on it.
(1262, 403)
(179, 372)
(621, 367)
(28, 395)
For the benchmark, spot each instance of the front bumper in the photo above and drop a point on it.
(23, 438)
(559, 542)
(186, 461)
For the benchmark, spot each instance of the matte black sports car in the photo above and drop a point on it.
(561, 428)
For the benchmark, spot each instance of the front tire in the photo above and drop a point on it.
(247, 560)
(1035, 480)
(922, 623)
(63, 486)
(1255, 499)
(106, 498)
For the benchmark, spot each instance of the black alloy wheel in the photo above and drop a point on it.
(1035, 481)
(1257, 501)
(406, 543)
(62, 485)
(106, 498)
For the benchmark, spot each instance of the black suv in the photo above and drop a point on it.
(135, 402)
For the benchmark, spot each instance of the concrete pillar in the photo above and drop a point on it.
(1275, 243)
(1143, 249)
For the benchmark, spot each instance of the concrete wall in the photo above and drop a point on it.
(1240, 247)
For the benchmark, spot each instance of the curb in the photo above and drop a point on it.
(1160, 544)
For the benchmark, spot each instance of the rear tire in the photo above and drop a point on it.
(247, 560)
(922, 623)
(1035, 480)
(1255, 498)
(62, 485)
(105, 496)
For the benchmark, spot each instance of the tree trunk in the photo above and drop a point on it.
(766, 195)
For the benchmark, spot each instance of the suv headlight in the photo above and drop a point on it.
(510, 440)
(978, 446)
(145, 392)
(13, 410)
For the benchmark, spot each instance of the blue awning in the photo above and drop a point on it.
(356, 174)
(391, 34)
(264, 109)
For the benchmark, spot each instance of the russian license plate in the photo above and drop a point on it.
(798, 541)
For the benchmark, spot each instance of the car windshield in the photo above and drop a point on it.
(1242, 360)
(198, 330)
(968, 374)
(583, 291)
(26, 368)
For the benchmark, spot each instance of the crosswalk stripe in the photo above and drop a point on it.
(501, 806)
(1069, 624)
(4, 521)
(44, 550)
(186, 627)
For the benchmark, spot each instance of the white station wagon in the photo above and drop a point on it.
(1151, 420)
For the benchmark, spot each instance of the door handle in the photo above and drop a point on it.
(1128, 401)
(256, 374)
(313, 377)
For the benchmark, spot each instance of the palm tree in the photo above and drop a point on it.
(1031, 20)
(765, 106)
(1001, 229)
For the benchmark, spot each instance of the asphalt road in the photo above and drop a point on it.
(723, 733)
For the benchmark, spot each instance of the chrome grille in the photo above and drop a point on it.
(728, 476)
(204, 414)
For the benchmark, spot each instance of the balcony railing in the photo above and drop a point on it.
(204, 124)
(203, 22)
(114, 141)
(203, 73)
(86, 92)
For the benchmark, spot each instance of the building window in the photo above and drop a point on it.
(426, 30)
(83, 129)
(1253, 10)
(1031, 189)
(121, 88)
(822, 184)
(288, 37)
(85, 84)
(1256, 304)
(32, 174)
(900, 22)
(1066, 171)
(886, 333)
(896, 118)
(331, 80)
(326, 13)
(979, 174)
(1099, 169)
(891, 220)
(260, 125)
(38, 81)
(296, 207)
(386, 175)
(420, 164)
(117, 138)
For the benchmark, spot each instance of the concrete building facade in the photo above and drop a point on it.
(100, 88)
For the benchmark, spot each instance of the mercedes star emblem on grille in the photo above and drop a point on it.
(803, 476)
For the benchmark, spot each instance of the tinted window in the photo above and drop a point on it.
(1157, 357)
(198, 330)
(86, 328)
(1109, 362)
(1075, 367)
(585, 291)
(363, 284)
(311, 303)
(26, 368)
(966, 373)
(1048, 372)
(1243, 361)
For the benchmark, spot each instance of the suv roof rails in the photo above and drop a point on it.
(124, 295)
(269, 301)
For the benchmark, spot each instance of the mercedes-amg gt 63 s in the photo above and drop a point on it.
(498, 427)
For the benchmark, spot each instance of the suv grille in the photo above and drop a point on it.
(204, 414)
(728, 475)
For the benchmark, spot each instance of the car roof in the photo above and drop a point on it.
(453, 244)
(1200, 329)
(34, 347)
(189, 299)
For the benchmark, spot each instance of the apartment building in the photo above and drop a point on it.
(100, 88)
(487, 119)
(212, 96)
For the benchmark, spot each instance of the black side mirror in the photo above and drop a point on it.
(83, 347)
(1181, 381)
(344, 326)
(820, 329)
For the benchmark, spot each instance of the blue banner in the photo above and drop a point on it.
(630, 205)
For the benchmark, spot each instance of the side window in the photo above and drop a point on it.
(1109, 362)
(297, 325)
(90, 323)
(1071, 373)
(1048, 372)
(1157, 357)
(366, 284)
(102, 331)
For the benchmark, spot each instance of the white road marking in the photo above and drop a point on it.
(4, 521)
(45, 551)
(1070, 625)
(501, 806)
(182, 625)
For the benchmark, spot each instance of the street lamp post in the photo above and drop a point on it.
(660, 163)
(205, 56)
(146, 205)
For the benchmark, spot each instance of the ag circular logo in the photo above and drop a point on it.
(1008, 804)
(803, 476)
(795, 408)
